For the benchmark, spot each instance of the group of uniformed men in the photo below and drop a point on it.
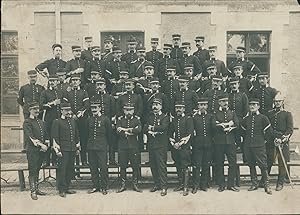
(193, 105)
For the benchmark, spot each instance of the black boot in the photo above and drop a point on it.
(196, 179)
(186, 182)
(123, 186)
(265, 178)
(38, 191)
(253, 176)
(180, 181)
(135, 186)
(32, 188)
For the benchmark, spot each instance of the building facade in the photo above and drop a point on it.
(269, 29)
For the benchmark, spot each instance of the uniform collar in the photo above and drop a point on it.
(159, 113)
(235, 91)
(99, 58)
(76, 88)
(101, 93)
(256, 113)
(184, 89)
(131, 92)
(221, 109)
(182, 115)
(218, 88)
(199, 112)
(126, 117)
(115, 60)
(31, 117)
(267, 85)
(129, 51)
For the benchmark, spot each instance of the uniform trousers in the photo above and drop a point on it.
(65, 170)
(98, 159)
(35, 160)
(158, 165)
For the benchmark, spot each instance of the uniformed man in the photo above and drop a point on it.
(165, 62)
(50, 102)
(265, 93)
(30, 92)
(176, 52)
(224, 139)
(86, 54)
(181, 129)
(213, 93)
(202, 144)
(128, 127)
(194, 84)
(99, 137)
(282, 124)
(143, 84)
(119, 88)
(202, 54)
(130, 56)
(90, 87)
(66, 144)
(188, 59)
(36, 136)
(130, 97)
(156, 129)
(76, 65)
(186, 95)
(220, 65)
(96, 63)
(79, 101)
(108, 108)
(108, 45)
(211, 70)
(63, 83)
(154, 55)
(137, 68)
(52, 64)
(248, 66)
(257, 129)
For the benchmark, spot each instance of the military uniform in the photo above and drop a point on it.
(130, 57)
(157, 146)
(154, 56)
(65, 133)
(137, 68)
(98, 65)
(163, 64)
(248, 67)
(220, 65)
(86, 54)
(204, 125)
(132, 98)
(189, 60)
(213, 94)
(114, 67)
(170, 87)
(74, 64)
(107, 103)
(149, 98)
(202, 54)
(107, 56)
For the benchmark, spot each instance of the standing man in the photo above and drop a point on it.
(66, 144)
(36, 136)
(63, 83)
(53, 64)
(220, 65)
(130, 56)
(156, 129)
(76, 65)
(282, 124)
(245, 84)
(165, 62)
(86, 54)
(202, 54)
(129, 128)
(154, 55)
(224, 139)
(181, 129)
(95, 63)
(137, 68)
(176, 52)
(204, 125)
(257, 129)
(108, 45)
(99, 137)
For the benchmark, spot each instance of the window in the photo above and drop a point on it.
(257, 46)
(120, 38)
(9, 73)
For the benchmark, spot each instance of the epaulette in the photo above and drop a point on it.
(137, 117)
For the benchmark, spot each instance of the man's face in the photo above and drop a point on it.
(154, 86)
(183, 84)
(131, 46)
(253, 107)
(66, 112)
(189, 72)
(129, 86)
(57, 52)
(278, 103)
(156, 107)
(179, 110)
(154, 45)
(32, 79)
(76, 82)
(88, 43)
(95, 76)
(171, 73)
(149, 71)
(77, 53)
(34, 111)
(117, 55)
(202, 107)
(176, 41)
(96, 53)
(199, 43)
(216, 83)
(100, 86)
(128, 112)
(95, 110)
(141, 54)
(61, 78)
(124, 76)
(186, 50)
(212, 71)
(263, 81)
(223, 103)
(234, 86)
(53, 82)
(108, 45)
(238, 71)
(212, 53)
(251, 78)
(167, 51)
(239, 54)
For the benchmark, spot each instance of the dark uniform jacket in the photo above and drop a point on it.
(220, 136)
(129, 141)
(65, 133)
(52, 65)
(108, 104)
(213, 103)
(78, 99)
(238, 103)
(248, 67)
(180, 127)
(158, 137)
(221, 68)
(204, 125)
(48, 96)
(150, 97)
(118, 89)
(131, 98)
(189, 98)
(99, 133)
(257, 130)
(266, 96)
(163, 63)
(108, 56)
(170, 87)
(190, 59)
(153, 57)
(176, 53)
(281, 122)
(143, 86)
(86, 54)
(90, 88)
(113, 68)
(35, 129)
(96, 65)
(137, 68)
(29, 93)
(129, 57)
(74, 64)
(195, 85)
(63, 86)
(202, 55)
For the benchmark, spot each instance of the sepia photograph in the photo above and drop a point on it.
(150, 107)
